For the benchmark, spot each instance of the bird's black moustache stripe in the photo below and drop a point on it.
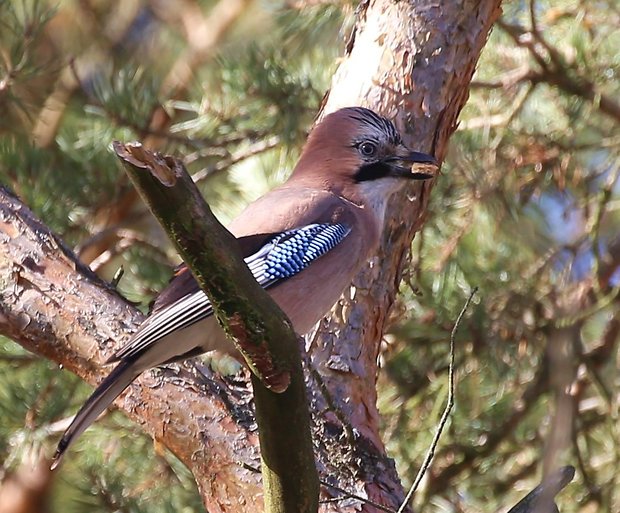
(372, 171)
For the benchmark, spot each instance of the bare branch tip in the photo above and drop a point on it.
(163, 167)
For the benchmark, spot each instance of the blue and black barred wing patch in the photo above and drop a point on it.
(291, 252)
(282, 257)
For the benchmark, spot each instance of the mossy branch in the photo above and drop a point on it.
(258, 328)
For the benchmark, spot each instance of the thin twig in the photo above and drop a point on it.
(446, 413)
(350, 495)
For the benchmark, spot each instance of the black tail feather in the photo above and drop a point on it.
(107, 391)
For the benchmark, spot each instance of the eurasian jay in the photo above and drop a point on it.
(304, 241)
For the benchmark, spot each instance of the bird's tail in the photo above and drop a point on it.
(108, 390)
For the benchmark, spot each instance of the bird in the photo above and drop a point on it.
(303, 242)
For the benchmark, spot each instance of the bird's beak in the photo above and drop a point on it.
(414, 165)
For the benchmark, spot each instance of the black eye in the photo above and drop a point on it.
(368, 149)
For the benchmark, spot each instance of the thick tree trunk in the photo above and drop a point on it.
(412, 61)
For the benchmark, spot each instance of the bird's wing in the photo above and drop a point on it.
(282, 256)
(183, 282)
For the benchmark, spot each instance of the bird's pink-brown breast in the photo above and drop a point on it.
(307, 296)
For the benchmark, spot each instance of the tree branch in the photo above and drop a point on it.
(541, 498)
(435, 49)
(55, 307)
(557, 73)
(259, 329)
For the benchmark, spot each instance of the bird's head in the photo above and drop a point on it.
(356, 152)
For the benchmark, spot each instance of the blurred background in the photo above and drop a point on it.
(527, 209)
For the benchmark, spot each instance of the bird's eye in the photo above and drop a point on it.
(368, 149)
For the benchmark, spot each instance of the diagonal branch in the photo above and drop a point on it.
(260, 330)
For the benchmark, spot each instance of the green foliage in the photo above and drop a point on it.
(114, 467)
(25, 75)
(532, 168)
(528, 190)
(114, 98)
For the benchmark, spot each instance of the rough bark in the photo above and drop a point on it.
(411, 61)
(57, 308)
